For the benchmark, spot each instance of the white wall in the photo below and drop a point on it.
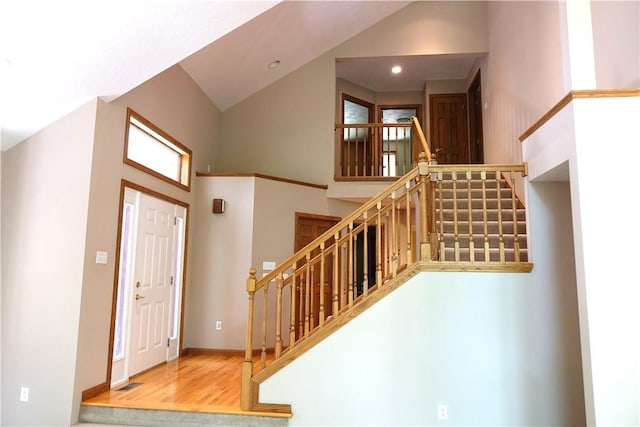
(45, 197)
(497, 349)
(616, 43)
(606, 255)
(608, 303)
(0, 277)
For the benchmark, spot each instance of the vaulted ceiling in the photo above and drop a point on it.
(56, 56)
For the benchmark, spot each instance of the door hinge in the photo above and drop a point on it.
(168, 339)
(175, 220)
(171, 280)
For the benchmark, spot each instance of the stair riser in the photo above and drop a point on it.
(150, 417)
(463, 204)
(478, 241)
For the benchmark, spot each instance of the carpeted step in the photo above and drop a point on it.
(475, 204)
(462, 193)
(475, 183)
(478, 227)
(477, 214)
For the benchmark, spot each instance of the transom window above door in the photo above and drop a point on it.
(155, 152)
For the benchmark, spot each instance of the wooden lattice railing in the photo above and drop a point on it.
(378, 150)
(438, 217)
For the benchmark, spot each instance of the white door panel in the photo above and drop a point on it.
(152, 276)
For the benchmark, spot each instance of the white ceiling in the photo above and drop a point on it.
(294, 32)
(375, 73)
(67, 52)
(64, 53)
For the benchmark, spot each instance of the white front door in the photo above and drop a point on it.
(151, 294)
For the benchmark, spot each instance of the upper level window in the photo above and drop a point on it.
(150, 149)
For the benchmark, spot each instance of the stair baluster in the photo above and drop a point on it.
(440, 201)
(472, 252)
(485, 224)
(516, 241)
(263, 353)
(279, 286)
(500, 231)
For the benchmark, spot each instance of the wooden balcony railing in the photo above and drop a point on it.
(378, 150)
(435, 217)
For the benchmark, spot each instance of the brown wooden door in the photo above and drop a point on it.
(308, 227)
(449, 128)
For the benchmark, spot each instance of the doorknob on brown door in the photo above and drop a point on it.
(138, 296)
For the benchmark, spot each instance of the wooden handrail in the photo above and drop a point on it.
(370, 125)
(286, 264)
(423, 141)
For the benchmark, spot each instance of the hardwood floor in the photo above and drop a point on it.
(195, 383)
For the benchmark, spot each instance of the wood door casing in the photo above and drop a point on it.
(309, 227)
(476, 144)
(356, 148)
(449, 136)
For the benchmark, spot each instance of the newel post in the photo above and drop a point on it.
(248, 397)
(425, 226)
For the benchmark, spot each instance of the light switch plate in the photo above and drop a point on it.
(101, 257)
(268, 265)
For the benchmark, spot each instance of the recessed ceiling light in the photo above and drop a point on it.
(274, 64)
(396, 69)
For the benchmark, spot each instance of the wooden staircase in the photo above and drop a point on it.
(435, 218)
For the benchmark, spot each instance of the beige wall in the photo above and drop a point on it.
(173, 102)
(220, 261)
(287, 128)
(258, 225)
(45, 194)
(522, 75)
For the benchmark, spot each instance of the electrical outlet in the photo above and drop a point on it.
(443, 414)
(218, 325)
(24, 394)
